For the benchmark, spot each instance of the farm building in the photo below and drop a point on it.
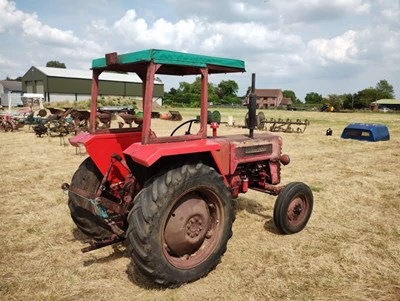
(270, 98)
(57, 84)
(10, 90)
(392, 104)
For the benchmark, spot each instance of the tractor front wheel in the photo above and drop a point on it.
(180, 224)
(293, 208)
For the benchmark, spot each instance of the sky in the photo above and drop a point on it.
(323, 46)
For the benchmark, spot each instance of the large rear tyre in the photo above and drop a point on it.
(83, 213)
(293, 208)
(180, 224)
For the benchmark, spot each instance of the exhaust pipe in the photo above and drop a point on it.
(252, 106)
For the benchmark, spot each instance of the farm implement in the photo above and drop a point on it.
(171, 197)
(9, 123)
(277, 125)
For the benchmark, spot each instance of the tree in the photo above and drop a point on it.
(227, 93)
(364, 98)
(338, 101)
(227, 88)
(188, 94)
(384, 89)
(17, 79)
(313, 98)
(55, 64)
(290, 94)
(348, 101)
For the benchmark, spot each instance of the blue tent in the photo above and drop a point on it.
(366, 132)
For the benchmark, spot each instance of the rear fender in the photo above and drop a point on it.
(147, 160)
(100, 147)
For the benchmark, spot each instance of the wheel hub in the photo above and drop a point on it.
(296, 210)
(187, 226)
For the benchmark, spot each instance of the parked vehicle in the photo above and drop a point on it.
(171, 197)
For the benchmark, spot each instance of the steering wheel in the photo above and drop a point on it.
(190, 122)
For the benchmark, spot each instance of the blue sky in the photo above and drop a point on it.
(336, 46)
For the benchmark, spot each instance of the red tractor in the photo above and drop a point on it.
(171, 197)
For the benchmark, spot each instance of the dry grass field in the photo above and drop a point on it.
(350, 249)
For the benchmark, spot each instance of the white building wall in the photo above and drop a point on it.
(54, 97)
(14, 97)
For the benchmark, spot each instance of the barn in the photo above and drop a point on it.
(391, 104)
(58, 84)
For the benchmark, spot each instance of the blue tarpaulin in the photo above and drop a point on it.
(366, 132)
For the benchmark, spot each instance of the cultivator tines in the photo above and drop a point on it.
(60, 127)
(171, 115)
(287, 126)
(279, 125)
(81, 120)
(55, 125)
(9, 124)
(40, 129)
(175, 116)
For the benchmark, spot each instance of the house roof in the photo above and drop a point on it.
(268, 92)
(388, 102)
(11, 85)
(87, 74)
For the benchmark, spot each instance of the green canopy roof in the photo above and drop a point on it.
(178, 60)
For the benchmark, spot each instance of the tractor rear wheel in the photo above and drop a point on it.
(293, 208)
(180, 224)
(83, 213)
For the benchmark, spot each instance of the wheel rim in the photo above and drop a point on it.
(297, 210)
(192, 229)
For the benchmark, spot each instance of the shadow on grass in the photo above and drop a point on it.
(78, 235)
(119, 252)
(253, 207)
(119, 249)
(137, 278)
(269, 225)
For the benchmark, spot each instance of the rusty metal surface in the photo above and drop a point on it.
(187, 226)
(297, 211)
(195, 237)
(287, 126)
(277, 125)
(10, 123)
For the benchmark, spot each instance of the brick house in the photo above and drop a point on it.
(270, 98)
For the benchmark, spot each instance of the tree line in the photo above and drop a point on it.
(225, 93)
(361, 99)
(188, 94)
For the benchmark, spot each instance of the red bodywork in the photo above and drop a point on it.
(244, 162)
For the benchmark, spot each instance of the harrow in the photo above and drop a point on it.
(9, 124)
(279, 125)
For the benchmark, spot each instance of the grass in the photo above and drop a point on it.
(349, 250)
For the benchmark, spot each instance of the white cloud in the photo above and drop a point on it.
(39, 36)
(161, 34)
(189, 34)
(10, 16)
(341, 49)
(281, 41)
